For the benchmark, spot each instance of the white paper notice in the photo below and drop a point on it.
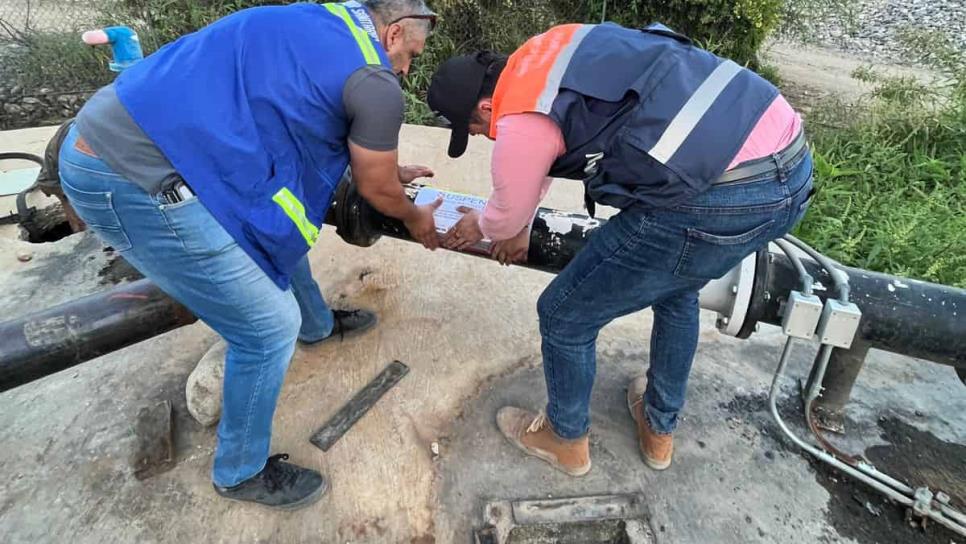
(447, 215)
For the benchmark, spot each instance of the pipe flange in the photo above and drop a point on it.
(759, 295)
(352, 214)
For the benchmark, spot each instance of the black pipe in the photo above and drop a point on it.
(904, 316)
(555, 239)
(909, 317)
(42, 343)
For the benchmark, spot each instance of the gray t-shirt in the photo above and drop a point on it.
(371, 96)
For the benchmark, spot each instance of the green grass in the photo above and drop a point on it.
(891, 179)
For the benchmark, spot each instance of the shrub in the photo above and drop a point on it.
(732, 28)
(162, 21)
(56, 61)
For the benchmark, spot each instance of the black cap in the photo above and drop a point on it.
(454, 93)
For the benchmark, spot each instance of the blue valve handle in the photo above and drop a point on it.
(125, 45)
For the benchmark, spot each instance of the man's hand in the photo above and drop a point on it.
(376, 176)
(466, 232)
(422, 226)
(513, 250)
(411, 172)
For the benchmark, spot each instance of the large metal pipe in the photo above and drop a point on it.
(555, 239)
(899, 315)
(904, 316)
(45, 342)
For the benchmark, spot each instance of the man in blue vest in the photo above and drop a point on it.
(210, 166)
(704, 159)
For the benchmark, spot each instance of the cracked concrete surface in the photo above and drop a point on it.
(467, 328)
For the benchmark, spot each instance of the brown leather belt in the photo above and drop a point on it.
(80, 144)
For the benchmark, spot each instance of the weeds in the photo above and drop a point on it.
(891, 174)
(54, 61)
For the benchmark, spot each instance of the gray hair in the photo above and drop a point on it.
(387, 11)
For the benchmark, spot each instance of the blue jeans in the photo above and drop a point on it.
(661, 259)
(182, 249)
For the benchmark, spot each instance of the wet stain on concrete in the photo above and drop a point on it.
(920, 458)
(854, 510)
(117, 270)
(913, 456)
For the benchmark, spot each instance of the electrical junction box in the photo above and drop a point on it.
(802, 314)
(839, 323)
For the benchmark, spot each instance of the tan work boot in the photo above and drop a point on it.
(656, 449)
(532, 433)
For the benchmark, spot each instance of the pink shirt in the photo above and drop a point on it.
(527, 144)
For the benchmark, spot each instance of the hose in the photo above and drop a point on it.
(24, 214)
(14, 155)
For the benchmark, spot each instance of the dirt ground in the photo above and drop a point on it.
(812, 74)
(467, 328)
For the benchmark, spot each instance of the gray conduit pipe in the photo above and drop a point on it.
(947, 516)
(859, 469)
(824, 356)
(840, 278)
(807, 279)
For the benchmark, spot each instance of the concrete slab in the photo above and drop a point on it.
(467, 329)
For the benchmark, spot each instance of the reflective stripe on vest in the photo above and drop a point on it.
(291, 205)
(552, 88)
(693, 110)
(531, 82)
(531, 79)
(296, 212)
(362, 38)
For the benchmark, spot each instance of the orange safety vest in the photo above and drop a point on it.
(530, 81)
(647, 117)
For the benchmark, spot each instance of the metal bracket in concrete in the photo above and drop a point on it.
(366, 398)
(595, 519)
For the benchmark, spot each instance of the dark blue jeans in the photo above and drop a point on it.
(661, 259)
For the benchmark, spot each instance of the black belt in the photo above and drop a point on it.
(746, 170)
(765, 165)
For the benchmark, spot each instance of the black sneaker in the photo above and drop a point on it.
(279, 485)
(347, 323)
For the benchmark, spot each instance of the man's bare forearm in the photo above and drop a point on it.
(376, 173)
(389, 199)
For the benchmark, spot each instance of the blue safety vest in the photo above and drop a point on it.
(647, 118)
(249, 111)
